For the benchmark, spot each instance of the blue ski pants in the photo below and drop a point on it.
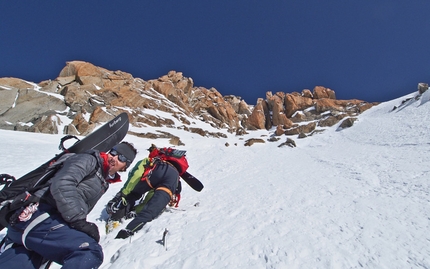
(51, 239)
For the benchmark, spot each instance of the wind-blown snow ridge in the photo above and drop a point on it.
(356, 198)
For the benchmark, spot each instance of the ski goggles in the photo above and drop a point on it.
(121, 157)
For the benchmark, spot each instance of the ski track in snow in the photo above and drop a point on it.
(358, 198)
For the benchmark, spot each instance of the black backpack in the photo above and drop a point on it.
(18, 194)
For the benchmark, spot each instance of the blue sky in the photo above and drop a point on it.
(370, 50)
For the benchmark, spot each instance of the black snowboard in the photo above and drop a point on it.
(192, 181)
(102, 139)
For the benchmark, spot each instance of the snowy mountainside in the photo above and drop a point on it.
(355, 198)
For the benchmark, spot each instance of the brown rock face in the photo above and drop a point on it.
(97, 87)
(321, 92)
(180, 91)
(276, 105)
(302, 129)
(257, 120)
(83, 88)
(321, 108)
(307, 93)
(295, 102)
(325, 104)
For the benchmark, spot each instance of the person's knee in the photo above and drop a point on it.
(89, 255)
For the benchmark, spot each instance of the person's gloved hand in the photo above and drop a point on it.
(117, 203)
(87, 227)
(6, 179)
(111, 207)
(123, 234)
(131, 215)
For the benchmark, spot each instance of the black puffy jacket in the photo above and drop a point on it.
(77, 186)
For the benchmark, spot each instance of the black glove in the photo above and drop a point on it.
(130, 215)
(6, 179)
(87, 227)
(117, 203)
(123, 234)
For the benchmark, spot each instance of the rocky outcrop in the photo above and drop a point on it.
(300, 113)
(84, 95)
(259, 116)
(84, 88)
(21, 103)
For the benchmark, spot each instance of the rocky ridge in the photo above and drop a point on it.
(84, 95)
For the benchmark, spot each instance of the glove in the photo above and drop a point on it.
(111, 208)
(123, 234)
(6, 179)
(86, 227)
(130, 215)
(117, 203)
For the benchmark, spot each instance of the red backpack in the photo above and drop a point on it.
(174, 156)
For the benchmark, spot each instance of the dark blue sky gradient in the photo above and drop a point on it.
(370, 50)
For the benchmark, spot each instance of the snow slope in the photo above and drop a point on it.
(356, 198)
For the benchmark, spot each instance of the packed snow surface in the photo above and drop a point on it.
(351, 198)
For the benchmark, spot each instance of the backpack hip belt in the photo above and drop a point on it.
(169, 192)
(166, 190)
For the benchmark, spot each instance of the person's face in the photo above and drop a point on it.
(115, 164)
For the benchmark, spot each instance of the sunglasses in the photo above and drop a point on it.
(121, 157)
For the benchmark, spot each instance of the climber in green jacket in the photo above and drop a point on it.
(130, 200)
